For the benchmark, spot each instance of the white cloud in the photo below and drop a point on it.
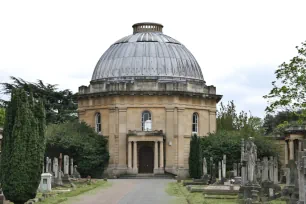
(61, 41)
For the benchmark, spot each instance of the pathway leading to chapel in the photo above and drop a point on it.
(128, 191)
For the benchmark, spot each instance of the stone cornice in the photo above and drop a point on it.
(151, 93)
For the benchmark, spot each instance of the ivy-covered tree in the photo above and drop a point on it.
(22, 147)
(289, 89)
(195, 158)
(82, 143)
(60, 105)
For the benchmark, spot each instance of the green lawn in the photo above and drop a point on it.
(82, 187)
(185, 197)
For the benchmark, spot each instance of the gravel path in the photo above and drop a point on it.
(128, 191)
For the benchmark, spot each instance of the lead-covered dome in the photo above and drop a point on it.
(149, 54)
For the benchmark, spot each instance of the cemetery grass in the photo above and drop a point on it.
(183, 196)
(81, 187)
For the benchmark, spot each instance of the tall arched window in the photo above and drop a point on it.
(98, 122)
(146, 121)
(195, 123)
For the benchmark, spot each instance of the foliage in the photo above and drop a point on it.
(276, 124)
(289, 91)
(195, 157)
(232, 127)
(60, 105)
(82, 143)
(22, 147)
(2, 116)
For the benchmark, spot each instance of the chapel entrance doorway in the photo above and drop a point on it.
(146, 159)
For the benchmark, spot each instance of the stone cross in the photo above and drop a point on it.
(55, 167)
(265, 170)
(224, 166)
(71, 166)
(219, 166)
(271, 168)
(275, 170)
(66, 164)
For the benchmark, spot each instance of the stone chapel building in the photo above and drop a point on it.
(147, 96)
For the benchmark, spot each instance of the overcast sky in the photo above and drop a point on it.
(238, 44)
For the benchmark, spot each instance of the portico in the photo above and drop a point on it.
(142, 145)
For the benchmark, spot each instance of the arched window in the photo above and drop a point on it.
(146, 121)
(195, 121)
(98, 122)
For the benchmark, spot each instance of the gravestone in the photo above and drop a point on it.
(224, 166)
(55, 167)
(47, 164)
(219, 167)
(76, 174)
(45, 182)
(276, 181)
(265, 171)
(66, 177)
(271, 168)
(71, 166)
(235, 170)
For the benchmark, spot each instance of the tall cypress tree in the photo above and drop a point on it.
(195, 158)
(22, 147)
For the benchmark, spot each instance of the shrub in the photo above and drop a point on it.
(80, 142)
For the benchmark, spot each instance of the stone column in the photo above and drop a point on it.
(122, 119)
(219, 166)
(47, 165)
(180, 137)
(135, 157)
(55, 167)
(291, 149)
(66, 164)
(161, 160)
(286, 152)
(156, 155)
(71, 166)
(130, 155)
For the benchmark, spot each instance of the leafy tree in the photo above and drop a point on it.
(22, 147)
(60, 105)
(195, 158)
(82, 143)
(289, 91)
(231, 128)
(2, 116)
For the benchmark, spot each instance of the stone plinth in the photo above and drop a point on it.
(45, 182)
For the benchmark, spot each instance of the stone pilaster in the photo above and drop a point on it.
(130, 155)
(122, 118)
(161, 156)
(135, 165)
(156, 155)
(181, 129)
(291, 149)
(286, 152)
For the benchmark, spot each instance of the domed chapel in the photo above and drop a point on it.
(147, 96)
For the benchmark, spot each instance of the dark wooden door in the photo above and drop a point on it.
(146, 159)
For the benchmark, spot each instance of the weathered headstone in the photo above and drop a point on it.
(224, 166)
(55, 167)
(243, 164)
(219, 167)
(271, 168)
(45, 182)
(50, 165)
(204, 166)
(71, 166)
(66, 164)
(265, 170)
(301, 175)
(275, 171)
(235, 169)
(76, 174)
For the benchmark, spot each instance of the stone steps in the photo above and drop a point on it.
(147, 176)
